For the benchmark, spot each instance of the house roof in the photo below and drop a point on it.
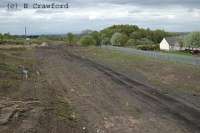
(172, 41)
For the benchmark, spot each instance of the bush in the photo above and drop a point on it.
(71, 39)
(87, 41)
(118, 39)
(1, 38)
(96, 36)
(105, 41)
(192, 40)
(131, 42)
(147, 47)
(144, 41)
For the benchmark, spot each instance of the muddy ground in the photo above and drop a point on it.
(66, 92)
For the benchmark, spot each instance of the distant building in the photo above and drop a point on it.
(170, 44)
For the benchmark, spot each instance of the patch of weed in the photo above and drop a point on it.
(65, 112)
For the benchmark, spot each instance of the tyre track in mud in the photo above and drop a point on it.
(178, 108)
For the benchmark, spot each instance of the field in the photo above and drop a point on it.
(94, 90)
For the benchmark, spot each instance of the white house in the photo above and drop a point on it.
(170, 44)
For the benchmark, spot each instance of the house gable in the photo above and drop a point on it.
(164, 45)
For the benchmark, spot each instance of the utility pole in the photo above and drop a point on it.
(25, 31)
(26, 36)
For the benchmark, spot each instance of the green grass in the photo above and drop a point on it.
(178, 53)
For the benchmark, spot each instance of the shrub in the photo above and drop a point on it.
(144, 41)
(118, 39)
(87, 41)
(1, 38)
(131, 42)
(147, 47)
(96, 36)
(192, 40)
(105, 41)
(71, 39)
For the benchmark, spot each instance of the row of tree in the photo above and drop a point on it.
(121, 35)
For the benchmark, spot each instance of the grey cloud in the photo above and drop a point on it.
(159, 2)
(135, 11)
(154, 3)
(148, 13)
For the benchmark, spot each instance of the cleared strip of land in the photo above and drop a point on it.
(85, 89)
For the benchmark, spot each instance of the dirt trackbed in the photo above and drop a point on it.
(68, 92)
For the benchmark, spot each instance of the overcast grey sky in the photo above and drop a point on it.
(170, 15)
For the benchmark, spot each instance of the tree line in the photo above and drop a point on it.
(116, 35)
(121, 35)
